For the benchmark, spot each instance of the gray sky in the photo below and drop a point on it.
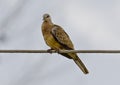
(91, 24)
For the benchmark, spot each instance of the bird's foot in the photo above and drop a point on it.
(50, 51)
(57, 50)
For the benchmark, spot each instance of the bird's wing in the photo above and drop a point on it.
(62, 37)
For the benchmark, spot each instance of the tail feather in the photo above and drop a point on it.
(81, 65)
(77, 61)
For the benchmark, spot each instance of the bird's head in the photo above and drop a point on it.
(46, 17)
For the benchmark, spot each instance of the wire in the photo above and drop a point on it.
(60, 51)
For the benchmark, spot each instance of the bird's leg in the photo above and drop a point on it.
(50, 50)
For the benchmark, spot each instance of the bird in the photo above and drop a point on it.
(57, 39)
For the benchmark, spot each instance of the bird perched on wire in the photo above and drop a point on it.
(57, 39)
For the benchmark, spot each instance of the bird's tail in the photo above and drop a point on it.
(81, 65)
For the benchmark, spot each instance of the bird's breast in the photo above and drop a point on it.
(49, 39)
(52, 42)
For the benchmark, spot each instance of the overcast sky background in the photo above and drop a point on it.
(91, 25)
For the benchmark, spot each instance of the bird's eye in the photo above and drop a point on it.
(47, 16)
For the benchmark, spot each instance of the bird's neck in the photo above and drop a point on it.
(48, 22)
(47, 25)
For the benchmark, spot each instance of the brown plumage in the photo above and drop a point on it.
(56, 38)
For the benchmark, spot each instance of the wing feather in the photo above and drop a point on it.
(62, 37)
